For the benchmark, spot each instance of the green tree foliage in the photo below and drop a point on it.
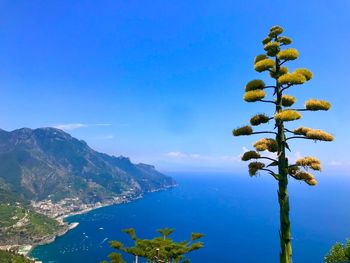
(278, 166)
(338, 253)
(161, 249)
(12, 257)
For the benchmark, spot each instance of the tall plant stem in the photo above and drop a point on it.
(283, 198)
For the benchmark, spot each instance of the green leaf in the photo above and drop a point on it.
(287, 146)
(116, 244)
(196, 236)
(274, 163)
(131, 232)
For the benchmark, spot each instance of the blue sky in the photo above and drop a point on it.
(162, 81)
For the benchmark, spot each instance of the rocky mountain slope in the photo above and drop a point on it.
(48, 163)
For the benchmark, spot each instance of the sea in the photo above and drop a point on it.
(239, 216)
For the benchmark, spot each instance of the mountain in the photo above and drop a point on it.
(48, 163)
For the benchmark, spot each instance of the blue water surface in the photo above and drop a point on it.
(238, 215)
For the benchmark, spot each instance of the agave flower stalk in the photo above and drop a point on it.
(279, 168)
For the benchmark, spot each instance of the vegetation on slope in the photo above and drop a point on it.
(10, 257)
(20, 225)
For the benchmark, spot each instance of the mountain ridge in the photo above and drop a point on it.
(49, 163)
(46, 175)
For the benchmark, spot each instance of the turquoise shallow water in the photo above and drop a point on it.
(238, 214)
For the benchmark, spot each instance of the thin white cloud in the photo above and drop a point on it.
(177, 161)
(101, 124)
(292, 158)
(74, 126)
(336, 163)
(70, 126)
(195, 157)
(175, 154)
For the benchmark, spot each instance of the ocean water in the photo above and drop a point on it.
(238, 215)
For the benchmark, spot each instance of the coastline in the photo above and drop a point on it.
(70, 226)
(25, 249)
(61, 221)
(125, 200)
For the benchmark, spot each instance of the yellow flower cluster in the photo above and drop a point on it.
(292, 78)
(309, 162)
(259, 119)
(264, 64)
(288, 54)
(266, 144)
(301, 130)
(284, 40)
(282, 71)
(245, 130)
(266, 40)
(311, 182)
(260, 57)
(275, 31)
(287, 115)
(315, 105)
(302, 175)
(250, 155)
(305, 72)
(254, 95)
(254, 167)
(319, 135)
(254, 85)
(288, 100)
(272, 48)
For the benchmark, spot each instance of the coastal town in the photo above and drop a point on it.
(58, 211)
(72, 206)
(68, 206)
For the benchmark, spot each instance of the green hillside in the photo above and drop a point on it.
(9, 257)
(20, 225)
